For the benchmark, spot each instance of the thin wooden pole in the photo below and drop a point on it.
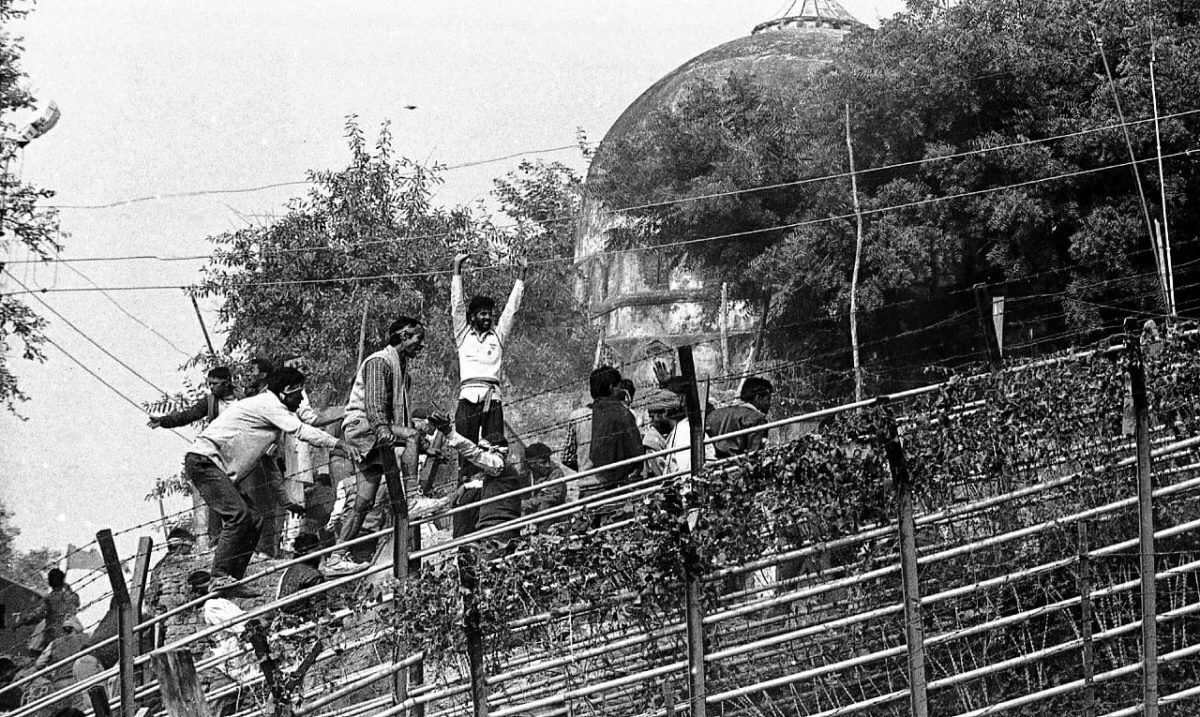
(695, 610)
(983, 304)
(362, 336)
(724, 323)
(1087, 656)
(1162, 186)
(914, 628)
(211, 351)
(858, 246)
(1145, 484)
(126, 645)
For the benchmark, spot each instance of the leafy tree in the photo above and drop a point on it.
(1050, 213)
(24, 220)
(28, 567)
(554, 340)
(369, 236)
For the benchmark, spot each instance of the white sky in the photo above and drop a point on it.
(164, 96)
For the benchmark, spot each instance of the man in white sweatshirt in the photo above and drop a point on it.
(479, 338)
(229, 448)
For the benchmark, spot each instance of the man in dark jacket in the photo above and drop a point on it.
(302, 576)
(748, 411)
(220, 394)
(615, 434)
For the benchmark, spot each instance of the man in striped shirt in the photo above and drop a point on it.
(378, 421)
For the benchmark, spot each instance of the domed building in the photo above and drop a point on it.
(647, 304)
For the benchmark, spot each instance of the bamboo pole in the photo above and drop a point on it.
(858, 246)
(1165, 237)
(983, 305)
(1087, 656)
(1145, 490)
(362, 335)
(693, 589)
(724, 325)
(207, 340)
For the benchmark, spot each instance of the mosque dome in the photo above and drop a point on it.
(644, 304)
(778, 52)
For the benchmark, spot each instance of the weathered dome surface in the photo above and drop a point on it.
(647, 302)
(779, 52)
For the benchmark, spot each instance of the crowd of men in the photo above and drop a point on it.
(384, 437)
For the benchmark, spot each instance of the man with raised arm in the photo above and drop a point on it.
(221, 393)
(229, 448)
(479, 338)
(378, 421)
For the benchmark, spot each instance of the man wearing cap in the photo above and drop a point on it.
(378, 420)
(664, 410)
(167, 587)
(228, 449)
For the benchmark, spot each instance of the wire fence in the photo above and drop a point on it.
(968, 548)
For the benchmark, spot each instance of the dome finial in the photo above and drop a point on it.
(812, 14)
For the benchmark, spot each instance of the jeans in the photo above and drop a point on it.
(474, 421)
(241, 520)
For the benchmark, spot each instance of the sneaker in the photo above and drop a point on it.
(343, 564)
(228, 587)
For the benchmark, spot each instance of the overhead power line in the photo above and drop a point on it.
(650, 205)
(277, 185)
(666, 245)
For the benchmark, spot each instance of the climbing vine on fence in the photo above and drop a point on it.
(978, 436)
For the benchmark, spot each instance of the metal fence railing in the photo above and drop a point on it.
(997, 543)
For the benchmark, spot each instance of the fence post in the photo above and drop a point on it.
(137, 593)
(98, 696)
(695, 612)
(1085, 619)
(914, 629)
(181, 691)
(126, 644)
(472, 630)
(1145, 484)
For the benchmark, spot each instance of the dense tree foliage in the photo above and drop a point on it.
(25, 223)
(368, 237)
(28, 567)
(989, 147)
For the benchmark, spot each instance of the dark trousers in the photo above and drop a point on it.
(379, 464)
(241, 520)
(465, 521)
(474, 421)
